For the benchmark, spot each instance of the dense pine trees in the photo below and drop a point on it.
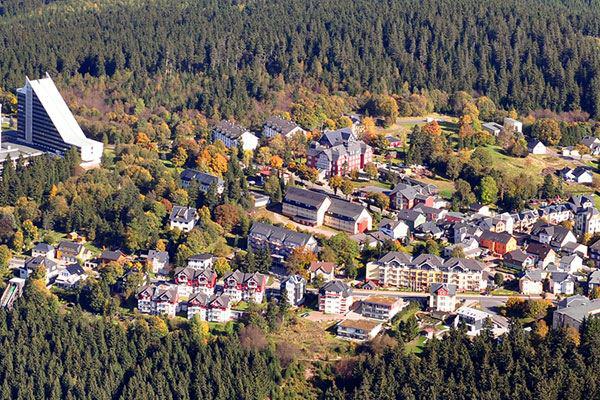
(45, 354)
(219, 55)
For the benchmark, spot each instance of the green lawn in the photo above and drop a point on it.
(416, 345)
(504, 292)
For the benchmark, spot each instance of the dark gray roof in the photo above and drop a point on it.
(111, 255)
(201, 257)
(334, 138)
(578, 311)
(464, 264)
(183, 214)
(43, 247)
(70, 247)
(187, 175)
(402, 258)
(278, 124)
(430, 260)
(336, 286)
(286, 236)
(230, 129)
(75, 269)
(408, 215)
(305, 198)
(161, 256)
(345, 209)
(534, 275)
(451, 288)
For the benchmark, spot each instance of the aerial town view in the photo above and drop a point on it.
(300, 199)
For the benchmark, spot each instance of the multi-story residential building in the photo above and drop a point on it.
(305, 206)
(211, 308)
(32, 265)
(405, 196)
(587, 221)
(293, 288)
(201, 261)
(45, 122)
(348, 217)
(337, 137)
(524, 221)
(275, 125)
(360, 330)
(192, 280)
(340, 159)
(571, 263)
(573, 314)
(158, 300)
(245, 286)
(70, 252)
(519, 260)
(183, 218)
(280, 241)
(204, 180)
(335, 297)
(398, 270)
(381, 307)
(512, 125)
(473, 319)
(442, 297)
(232, 134)
(313, 208)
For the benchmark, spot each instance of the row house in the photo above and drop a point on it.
(233, 135)
(183, 218)
(245, 286)
(399, 270)
(498, 243)
(210, 307)
(335, 297)
(205, 181)
(281, 242)
(432, 214)
(519, 260)
(394, 229)
(498, 223)
(276, 125)
(158, 300)
(381, 307)
(524, 221)
(556, 213)
(190, 280)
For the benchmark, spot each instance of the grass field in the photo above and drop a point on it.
(416, 345)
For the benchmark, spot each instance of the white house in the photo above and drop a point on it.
(512, 125)
(535, 146)
(532, 283)
(183, 218)
(359, 330)
(578, 174)
(571, 264)
(562, 283)
(231, 134)
(442, 297)
(393, 229)
(70, 276)
(276, 125)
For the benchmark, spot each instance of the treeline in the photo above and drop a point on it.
(223, 56)
(46, 354)
(540, 365)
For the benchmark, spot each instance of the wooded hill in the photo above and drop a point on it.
(223, 54)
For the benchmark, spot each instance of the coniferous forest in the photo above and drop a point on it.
(221, 55)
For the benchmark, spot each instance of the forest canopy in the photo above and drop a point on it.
(225, 54)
